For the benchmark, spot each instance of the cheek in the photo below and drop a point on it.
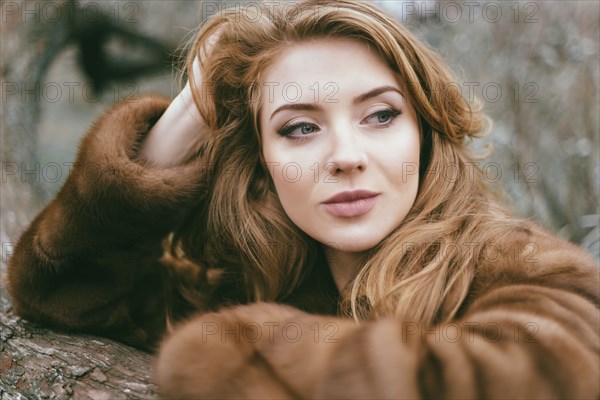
(285, 172)
(402, 154)
(291, 176)
(287, 178)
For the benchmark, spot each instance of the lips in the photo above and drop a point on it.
(351, 204)
(344, 197)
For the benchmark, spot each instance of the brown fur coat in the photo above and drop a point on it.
(92, 261)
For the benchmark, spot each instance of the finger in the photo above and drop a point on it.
(211, 41)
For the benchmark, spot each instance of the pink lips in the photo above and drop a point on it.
(351, 204)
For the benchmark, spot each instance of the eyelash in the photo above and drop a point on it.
(288, 129)
(388, 111)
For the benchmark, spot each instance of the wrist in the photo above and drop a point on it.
(176, 136)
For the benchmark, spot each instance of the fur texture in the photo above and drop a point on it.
(93, 261)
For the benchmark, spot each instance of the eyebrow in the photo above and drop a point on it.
(357, 100)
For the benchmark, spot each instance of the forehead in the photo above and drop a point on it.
(310, 71)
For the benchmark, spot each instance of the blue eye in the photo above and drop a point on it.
(303, 128)
(383, 118)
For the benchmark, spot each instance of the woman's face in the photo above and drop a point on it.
(341, 142)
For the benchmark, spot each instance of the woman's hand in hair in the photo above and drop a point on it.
(178, 133)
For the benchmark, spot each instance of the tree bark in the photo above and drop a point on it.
(39, 363)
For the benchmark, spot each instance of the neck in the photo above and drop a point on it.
(343, 265)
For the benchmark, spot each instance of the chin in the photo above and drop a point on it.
(353, 245)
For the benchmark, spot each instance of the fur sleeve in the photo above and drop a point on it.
(89, 261)
(530, 330)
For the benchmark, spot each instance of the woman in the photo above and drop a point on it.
(322, 168)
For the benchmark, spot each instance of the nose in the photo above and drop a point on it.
(346, 152)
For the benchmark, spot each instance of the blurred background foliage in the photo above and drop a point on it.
(533, 64)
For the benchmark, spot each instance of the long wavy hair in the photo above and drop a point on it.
(420, 272)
